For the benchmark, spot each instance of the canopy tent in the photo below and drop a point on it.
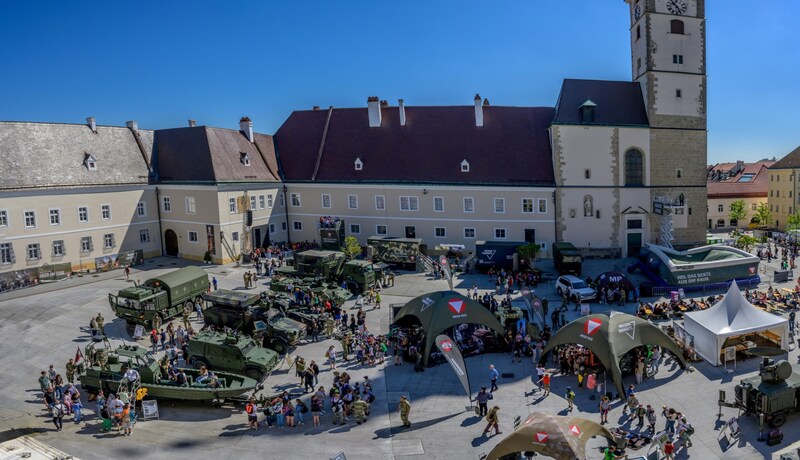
(559, 437)
(615, 278)
(731, 317)
(611, 337)
(438, 311)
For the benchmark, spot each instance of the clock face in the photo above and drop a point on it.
(637, 11)
(676, 6)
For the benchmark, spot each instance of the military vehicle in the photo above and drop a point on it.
(242, 311)
(286, 305)
(356, 275)
(775, 392)
(160, 298)
(567, 259)
(325, 290)
(331, 237)
(508, 317)
(231, 352)
(105, 368)
(402, 252)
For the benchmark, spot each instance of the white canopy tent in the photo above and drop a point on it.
(732, 316)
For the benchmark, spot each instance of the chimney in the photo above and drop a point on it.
(92, 124)
(374, 110)
(402, 107)
(486, 102)
(315, 108)
(132, 125)
(384, 103)
(478, 111)
(192, 123)
(246, 126)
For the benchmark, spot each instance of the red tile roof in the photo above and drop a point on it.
(733, 188)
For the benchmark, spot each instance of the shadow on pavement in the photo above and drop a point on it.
(389, 432)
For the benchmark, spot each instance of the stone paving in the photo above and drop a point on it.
(42, 325)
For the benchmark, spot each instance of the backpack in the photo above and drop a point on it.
(249, 409)
(689, 430)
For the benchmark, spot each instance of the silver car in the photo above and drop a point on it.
(575, 287)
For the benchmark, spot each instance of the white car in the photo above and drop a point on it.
(575, 286)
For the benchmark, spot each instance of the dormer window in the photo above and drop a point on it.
(245, 158)
(587, 111)
(465, 166)
(90, 162)
(359, 164)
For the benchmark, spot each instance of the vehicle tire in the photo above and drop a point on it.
(188, 307)
(279, 346)
(352, 287)
(558, 289)
(156, 322)
(197, 363)
(777, 420)
(253, 373)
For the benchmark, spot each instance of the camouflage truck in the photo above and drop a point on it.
(324, 289)
(242, 311)
(231, 352)
(402, 252)
(160, 298)
(356, 275)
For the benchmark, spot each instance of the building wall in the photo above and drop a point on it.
(124, 223)
(366, 218)
(782, 197)
(715, 215)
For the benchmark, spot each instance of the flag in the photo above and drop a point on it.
(453, 356)
(445, 264)
(78, 355)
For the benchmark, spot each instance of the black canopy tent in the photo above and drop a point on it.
(610, 338)
(615, 278)
(439, 311)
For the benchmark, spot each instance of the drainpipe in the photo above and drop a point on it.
(286, 210)
(160, 232)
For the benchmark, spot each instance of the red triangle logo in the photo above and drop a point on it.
(592, 326)
(575, 430)
(541, 436)
(456, 306)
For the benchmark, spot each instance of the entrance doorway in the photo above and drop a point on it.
(171, 242)
(530, 235)
(634, 244)
(411, 231)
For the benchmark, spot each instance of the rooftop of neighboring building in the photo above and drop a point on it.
(738, 180)
(601, 102)
(790, 161)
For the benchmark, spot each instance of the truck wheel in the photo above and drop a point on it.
(197, 363)
(156, 322)
(279, 346)
(777, 420)
(253, 373)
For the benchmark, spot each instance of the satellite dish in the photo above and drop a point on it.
(765, 351)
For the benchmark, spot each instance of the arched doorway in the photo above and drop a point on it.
(171, 242)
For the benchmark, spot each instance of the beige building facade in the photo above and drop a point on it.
(783, 187)
(739, 181)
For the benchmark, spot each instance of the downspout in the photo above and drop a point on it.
(286, 211)
(158, 209)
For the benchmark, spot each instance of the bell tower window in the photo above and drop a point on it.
(676, 27)
(587, 111)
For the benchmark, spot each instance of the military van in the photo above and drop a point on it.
(401, 252)
(567, 259)
(231, 352)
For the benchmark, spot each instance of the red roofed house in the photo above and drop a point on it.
(729, 182)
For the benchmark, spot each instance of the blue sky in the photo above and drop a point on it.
(162, 63)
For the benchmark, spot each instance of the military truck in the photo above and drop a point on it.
(241, 311)
(357, 275)
(160, 298)
(775, 392)
(567, 259)
(331, 237)
(402, 252)
(231, 352)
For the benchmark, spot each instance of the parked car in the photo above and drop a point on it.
(575, 287)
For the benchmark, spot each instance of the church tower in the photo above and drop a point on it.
(668, 57)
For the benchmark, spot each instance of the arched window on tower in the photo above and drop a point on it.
(634, 168)
(676, 26)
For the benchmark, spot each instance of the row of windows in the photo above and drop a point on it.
(411, 203)
(256, 202)
(721, 207)
(54, 215)
(33, 251)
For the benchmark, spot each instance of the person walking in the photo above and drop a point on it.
(633, 404)
(493, 375)
(570, 397)
(669, 450)
(651, 418)
(639, 371)
(252, 416)
(378, 301)
(685, 431)
(545, 381)
(214, 282)
(494, 421)
(483, 399)
(360, 409)
(337, 407)
(672, 417)
(58, 415)
(331, 355)
(405, 410)
(640, 413)
(316, 409)
(605, 407)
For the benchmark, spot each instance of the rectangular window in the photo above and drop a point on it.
(499, 205)
(269, 201)
(30, 219)
(86, 244)
(3, 218)
(352, 201)
(295, 200)
(281, 200)
(7, 253)
(83, 214)
(141, 209)
(638, 63)
(326, 201)
(58, 248)
(166, 204)
(678, 93)
(297, 225)
(55, 217)
(469, 204)
(380, 230)
(355, 229)
(439, 232)
(235, 236)
(253, 202)
(262, 202)
(438, 204)
(192, 236)
(232, 205)
(754, 207)
(587, 173)
(190, 206)
(144, 235)
(409, 203)
(543, 246)
(542, 205)
(634, 224)
(678, 173)
(283, 226)
(34, 253)
(380, 202)
(527, 205)
(108, 241)
(469, 232)
(721, 208)
(272, 228)
(677, 59)
(500, 233)
(638, 32)
(105, 211)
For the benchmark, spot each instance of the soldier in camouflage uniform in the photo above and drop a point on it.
(186, 322)
(329, 325)
(100, 322)
(346, 347)
(405, 409)
(71, 368)
(360, 408)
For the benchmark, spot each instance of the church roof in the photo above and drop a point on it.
(617, 103)
(511, 148)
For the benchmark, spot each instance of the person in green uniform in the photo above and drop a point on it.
(360, 408)
(329, 325)
(100, 322)
(405, 409)
(71, 368)
(186, 322)
(494, 421)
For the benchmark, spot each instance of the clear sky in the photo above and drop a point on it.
(163, 62)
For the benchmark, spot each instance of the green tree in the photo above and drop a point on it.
(738, 212)
(351, 247)
(529, 252)
(793, 221)
(746, 242)
(763, 215)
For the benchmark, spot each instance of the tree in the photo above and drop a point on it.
(738, 212)
(793, 221)
(351, 247)
(746, 242)
(763, 215)
(529, 252)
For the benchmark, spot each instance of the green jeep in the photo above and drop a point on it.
(231, 352)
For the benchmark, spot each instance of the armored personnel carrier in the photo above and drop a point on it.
(775, 392)
(231, 352)
(324, 289)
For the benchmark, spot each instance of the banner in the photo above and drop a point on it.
(453, 356)
(445, 263)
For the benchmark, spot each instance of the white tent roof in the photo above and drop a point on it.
(734, 315)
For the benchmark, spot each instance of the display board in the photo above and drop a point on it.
(149, 409)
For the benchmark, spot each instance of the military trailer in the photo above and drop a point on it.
(160, 298)
(401, 252)
(496, 254)
(332, 237)
(567, 259)
(357, 275)
(231, 352)
(774, 393)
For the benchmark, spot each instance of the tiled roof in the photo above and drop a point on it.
(732, 187)
(511, 148)
(210, 155)
(36, 155)
(618, 103)
(791, 160)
